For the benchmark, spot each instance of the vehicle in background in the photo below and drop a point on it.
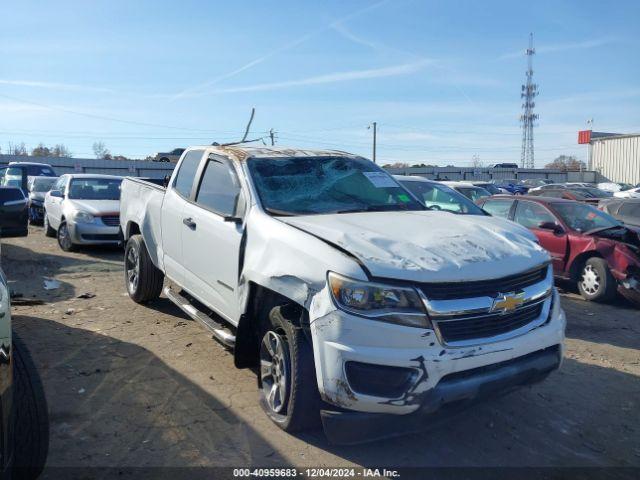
(513, 186)
(625, 210)
(356, 305)
(580, 194)
(490, 187)
(536, 182)
(17, 174)
(587, 246)
(469, 190)
(38, 188)
(14, 213)
(83, 209)
(549, 186)
(438, 196)
(24, 422)
(506, 165)
(580, 184)
(630, 193)
(173, 156)
(614, 187)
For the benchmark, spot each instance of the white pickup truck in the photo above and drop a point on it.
(360, 307)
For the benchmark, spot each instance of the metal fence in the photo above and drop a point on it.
(486, 174)
(131, 168)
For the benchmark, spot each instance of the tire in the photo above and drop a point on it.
(298, 402)
(30, 429)
(142, 278)
(48, 231)
(595, 282)
(64, 240)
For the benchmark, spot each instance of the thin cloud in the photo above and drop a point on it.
(391, 71)
(54, 86)
(561, 47)
(199, 89)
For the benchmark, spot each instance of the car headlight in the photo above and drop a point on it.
(83, 217)
(387, 303)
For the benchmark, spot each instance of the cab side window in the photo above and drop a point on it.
(187, 172)
(498, 208)
(219, 189)
(531, 215)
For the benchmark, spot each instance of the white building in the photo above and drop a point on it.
(615, 157)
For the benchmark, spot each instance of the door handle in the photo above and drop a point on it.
(189, 223)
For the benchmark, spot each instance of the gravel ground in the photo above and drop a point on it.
(129, 385)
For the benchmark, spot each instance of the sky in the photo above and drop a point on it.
(441, 78)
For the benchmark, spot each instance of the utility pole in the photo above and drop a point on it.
(272, 135)
(374, 126)
(528, 92)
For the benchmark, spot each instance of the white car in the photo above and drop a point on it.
(631, 193)
(469, 190)
(336, 284)
(83, 209)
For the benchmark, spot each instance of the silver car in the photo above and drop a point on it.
(83, 209)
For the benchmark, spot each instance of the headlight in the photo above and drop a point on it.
(83, 217)
(387, 303)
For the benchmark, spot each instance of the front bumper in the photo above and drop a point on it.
(340, 338)
(94, 234)
(36, 211)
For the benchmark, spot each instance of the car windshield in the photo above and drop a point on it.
(42, 184)
(441, 197)
(584, 218)
(307, 186)
(95, 188)
(473, 193)
(491, 188)
(40, 171)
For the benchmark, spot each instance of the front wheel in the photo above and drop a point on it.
(596, 283)
(64, 238)
(48, 231)
(287, 379)
(143, 279)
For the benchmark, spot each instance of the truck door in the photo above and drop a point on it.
(178, 195)
(211, 237)
(532, 215)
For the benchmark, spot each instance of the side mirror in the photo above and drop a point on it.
(56, 193)
(553, 226)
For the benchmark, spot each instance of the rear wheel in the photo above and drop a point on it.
(48, 231)
(30, 437)
(64, 238)
(287, 379)
(143, 279)
(596, 282)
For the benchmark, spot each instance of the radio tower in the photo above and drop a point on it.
(529, 93)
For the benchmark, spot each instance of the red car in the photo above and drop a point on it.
(587, 246)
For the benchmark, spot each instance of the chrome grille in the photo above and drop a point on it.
(111, 220)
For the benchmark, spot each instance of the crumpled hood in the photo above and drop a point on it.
(428, 246)
(96, 207)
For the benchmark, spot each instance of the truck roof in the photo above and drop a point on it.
(241, 153)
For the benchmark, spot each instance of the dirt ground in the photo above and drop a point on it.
(129, 385)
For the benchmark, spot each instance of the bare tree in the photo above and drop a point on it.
(41, 151)
(60, 150)
(567, 163)
(17, 149)
(476, 162)
(101, 151)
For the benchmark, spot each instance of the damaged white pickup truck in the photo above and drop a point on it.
(361, 307)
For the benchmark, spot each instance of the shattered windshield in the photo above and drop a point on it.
(307, 186)
(583, 218)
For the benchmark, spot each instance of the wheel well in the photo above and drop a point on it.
(578, 263)
(132, 229)
(260, 302)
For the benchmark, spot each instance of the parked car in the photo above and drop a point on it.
(614, 187)
(17, 174)
(469, 190)
(625, 210)
(14, 213)
(588, 247)
(83, 209)
(580, 194)
(172, 156)
(323, 273)
(490, 187)
(513, 186)
(630, 193)
(24, 424)
(437, 196)
(535, 182)
(506, 165)
(38, 188)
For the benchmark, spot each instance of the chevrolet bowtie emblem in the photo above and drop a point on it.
(507, 302)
